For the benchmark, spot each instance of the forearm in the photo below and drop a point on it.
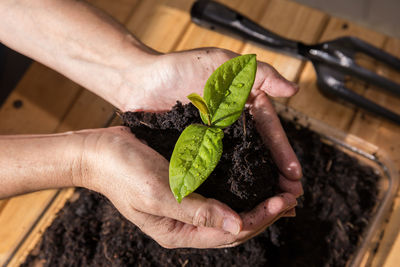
(76, 39)
(34, 162)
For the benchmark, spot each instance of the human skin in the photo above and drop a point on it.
(90, 48)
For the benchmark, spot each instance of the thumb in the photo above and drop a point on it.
(265, 214)
(271, 82)
(206, 212)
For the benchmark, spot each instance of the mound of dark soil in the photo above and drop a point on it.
(245, 175)
(339, 196)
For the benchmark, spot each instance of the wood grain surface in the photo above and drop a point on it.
(310, 100)
(55, 104)
(50, 104)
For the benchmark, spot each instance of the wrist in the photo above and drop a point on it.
(35, 162)
(117, 75)
(154, 84)
(138, 77)
(92, 157)
(83, 157)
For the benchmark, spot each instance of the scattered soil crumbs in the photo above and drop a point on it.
(336, 206)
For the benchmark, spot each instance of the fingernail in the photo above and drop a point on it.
(294, 171)
(231, 225)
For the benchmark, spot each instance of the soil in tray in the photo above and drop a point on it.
(337, 203)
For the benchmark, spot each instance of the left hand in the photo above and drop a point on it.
(135, 178)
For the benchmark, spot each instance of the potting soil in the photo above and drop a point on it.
(339, 196)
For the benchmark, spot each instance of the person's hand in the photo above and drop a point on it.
(159, 80)
(135, 178)
(164, 79)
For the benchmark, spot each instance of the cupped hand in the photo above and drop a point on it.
(200, 222)
(135, 178)
(166, 78)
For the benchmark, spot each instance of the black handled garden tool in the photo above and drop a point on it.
(332, 60)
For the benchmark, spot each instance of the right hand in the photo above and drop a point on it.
(135, 178)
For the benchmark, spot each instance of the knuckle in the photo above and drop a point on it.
(146, 201)
(150, 196)
(168, 238)
(149, 205)
(164, 241)
(200, 218)
(165, 232)
(204, 215)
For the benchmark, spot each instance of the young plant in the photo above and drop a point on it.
(199, 147)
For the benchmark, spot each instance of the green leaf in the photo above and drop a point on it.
(228, 88)
(199, 147)
(195, 156)
(201, 105)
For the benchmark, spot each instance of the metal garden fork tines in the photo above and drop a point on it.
(333, 60)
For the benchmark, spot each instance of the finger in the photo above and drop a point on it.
(198, 211)
(266, 213)
(273, 135)
(291, 186)
(262, 216)
(258, 219)
(206, 212)
(271, 82)
(171, 233)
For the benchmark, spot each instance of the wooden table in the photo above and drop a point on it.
(52, 103)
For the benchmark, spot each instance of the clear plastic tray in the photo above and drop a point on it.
(368, 154)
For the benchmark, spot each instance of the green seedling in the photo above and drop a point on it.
(199, 147)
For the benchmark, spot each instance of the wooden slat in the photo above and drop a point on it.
(121, 10)
(386, 135)
(37, 229)
(160, 23)
(310, 100)
(290, 20)
(379, 129)
(13, 219)
(88, 111)
(45, 103)
(388, 254)
(42, 108)
(197, 36)
(283, 17)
